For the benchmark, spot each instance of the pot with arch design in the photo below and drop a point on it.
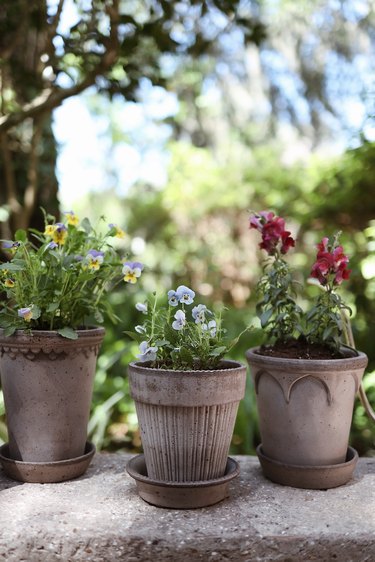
(305, 406)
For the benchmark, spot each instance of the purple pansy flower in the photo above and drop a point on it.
(147, 352)
(132, 270)
(199, 313)
(25, 313)
(180, 320)
(94, 259)
(141, 307)
(173, 299)
(9, 244)
(185, 295)
(211, 327)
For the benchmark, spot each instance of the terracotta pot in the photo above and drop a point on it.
(186, 419)
(47, 382)
(305, 406)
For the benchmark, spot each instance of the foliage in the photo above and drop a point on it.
(178, 338)
(278, 312)
(280, 316)
(61, 280)
(298, 85)
(363, 427)
(51, 51)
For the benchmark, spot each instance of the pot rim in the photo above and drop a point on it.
(234, 366)
(28, 334)
(358, 360)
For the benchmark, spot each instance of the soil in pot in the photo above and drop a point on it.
(301, 349)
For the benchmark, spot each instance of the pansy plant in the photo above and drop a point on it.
(280, 316)
(178, 334)
(60, 278)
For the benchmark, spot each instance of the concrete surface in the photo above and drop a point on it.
(100, 517)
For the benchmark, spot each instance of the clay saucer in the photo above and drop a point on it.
(181, 495)
(46, 472)
(309, 477)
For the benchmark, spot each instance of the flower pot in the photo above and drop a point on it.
(186, 419)
(305, 407)
(47, 382)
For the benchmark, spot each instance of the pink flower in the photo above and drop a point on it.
(273, 232)
(257, 220)
(330, 261)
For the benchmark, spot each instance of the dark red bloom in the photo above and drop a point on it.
(273, 232)
(287, 242)
(331, 264)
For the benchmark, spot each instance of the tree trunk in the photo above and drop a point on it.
(27, 151)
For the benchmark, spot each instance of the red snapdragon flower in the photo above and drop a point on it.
(272, 229)
(330, 261)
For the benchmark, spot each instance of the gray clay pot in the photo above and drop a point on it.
(47, 382)
(305, 406)
(186, 419)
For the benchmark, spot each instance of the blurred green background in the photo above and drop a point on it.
(175, 120)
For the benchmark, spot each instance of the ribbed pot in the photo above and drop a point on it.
(47, 382)
(186, 419)
(305, 406)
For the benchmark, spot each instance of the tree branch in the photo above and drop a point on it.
(46, 101)
(52, 97)
(50, 48)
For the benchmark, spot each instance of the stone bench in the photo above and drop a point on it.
(100, 517)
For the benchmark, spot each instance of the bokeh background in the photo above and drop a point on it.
(175, 120)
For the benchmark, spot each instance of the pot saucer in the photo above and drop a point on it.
(46, 472)
(181, 495)
(309, 477)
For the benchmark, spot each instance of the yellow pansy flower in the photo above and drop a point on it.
(71, 218)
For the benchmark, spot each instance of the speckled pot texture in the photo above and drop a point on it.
(305, 406)
(47, 382)
(186, 419)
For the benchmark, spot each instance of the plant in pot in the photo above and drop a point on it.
(56, 288)
(305, 378)
(186, 396)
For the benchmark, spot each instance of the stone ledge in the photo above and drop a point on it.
(100, 518)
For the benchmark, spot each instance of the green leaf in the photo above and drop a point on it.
(86, 225)
(186, 356)
(160, 343)
(52, 307)
(134, 336)
(170, 334)
(11, 266)
(36, 311)
(327, 332)
(68, 333)
(265, 316)
(218, 351)
(9, 330)
(98, 316)
(20, 235)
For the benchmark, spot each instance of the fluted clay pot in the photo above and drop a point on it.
(186, 419)
(47, 382)
(305, 406)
